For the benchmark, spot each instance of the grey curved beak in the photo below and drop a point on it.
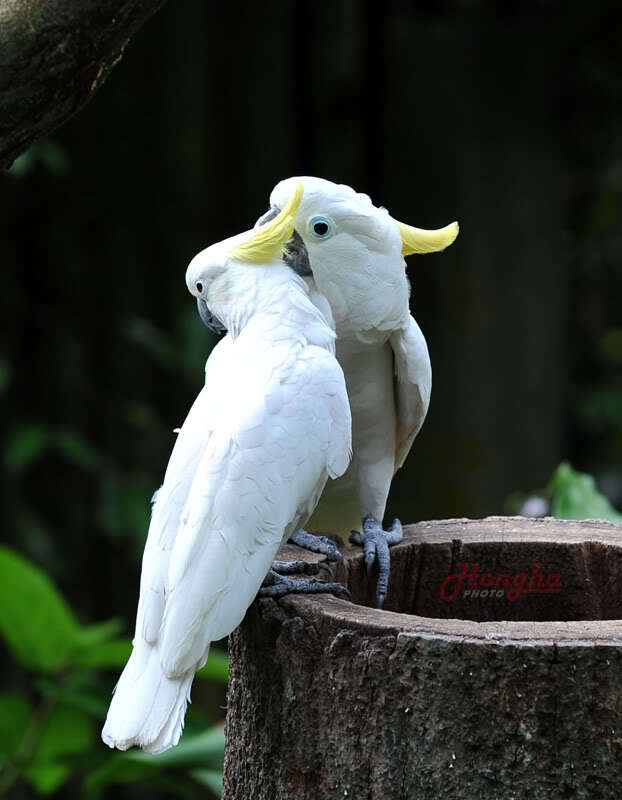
(270, 214)
(208, 319)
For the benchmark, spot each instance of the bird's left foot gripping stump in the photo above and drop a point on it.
(495, 671)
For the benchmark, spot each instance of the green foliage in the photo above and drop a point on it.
(186, 348)
(200, 756)
(574, 496)
(37, 624)
(51, 732)
(31, 441)
(46, 153)
(123, 508)
(57, 735)
(217, 667)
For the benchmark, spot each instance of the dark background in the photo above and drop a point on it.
(506, 117)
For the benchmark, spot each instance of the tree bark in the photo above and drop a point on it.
(54, 56)
(495, 671)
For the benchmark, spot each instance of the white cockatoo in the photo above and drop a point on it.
(268, 429)
(355, 254)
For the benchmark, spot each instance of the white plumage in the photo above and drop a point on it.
(271, 424)
(356, 254)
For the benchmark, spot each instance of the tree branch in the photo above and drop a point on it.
(54, 56)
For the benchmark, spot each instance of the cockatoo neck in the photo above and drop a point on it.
(270, 302)
(368, 292)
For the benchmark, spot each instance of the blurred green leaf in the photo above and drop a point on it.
(105, 655)
(202, 750)
(209, 777)
(120, 769)
(124, 506)
(92, 635)
(575, 496)
(22, 166)
(99, 647)
(203, 753)
(40, 628)
(66, 732)
(26, 445)
(74, 447)
(216, 667)
(116, 769)
(47, 776)
(80, 689)
(38, 625)
(36, 538)
(153, 341)
(143, 417)
(610, 346)
(32, 440)
(601, 407)
(46, 152)
(15, 714)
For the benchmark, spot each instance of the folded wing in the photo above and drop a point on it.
(412, 384)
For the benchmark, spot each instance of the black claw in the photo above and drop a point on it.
(327, 566)
(355, 538)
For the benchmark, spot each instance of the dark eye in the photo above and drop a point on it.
(321, 227)
(199, 287)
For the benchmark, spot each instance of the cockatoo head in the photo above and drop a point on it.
(354, 250)
(225, 277)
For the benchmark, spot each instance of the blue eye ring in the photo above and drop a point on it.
(321, 227)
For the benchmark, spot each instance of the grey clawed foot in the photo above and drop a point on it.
(376, 542)
(317, 544)
(300, 568)
(295, 568)
(277, 584)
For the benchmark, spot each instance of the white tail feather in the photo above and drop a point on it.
(147, 709)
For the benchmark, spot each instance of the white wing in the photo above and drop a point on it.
(259, 478)
(246, 475)
(170, 499)
(148, 708)
(412, 384)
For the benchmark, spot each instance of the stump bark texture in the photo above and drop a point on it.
(494, 672)
(54, 56)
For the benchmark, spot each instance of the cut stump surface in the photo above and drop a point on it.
(495, 671)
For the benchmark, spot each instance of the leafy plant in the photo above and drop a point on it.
(49, 726)
(569, 495)
(574, 496)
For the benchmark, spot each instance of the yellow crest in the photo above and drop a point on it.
(418, 240)
(269, 240)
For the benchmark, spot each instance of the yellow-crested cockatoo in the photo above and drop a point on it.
(268, 429)
(355, 253)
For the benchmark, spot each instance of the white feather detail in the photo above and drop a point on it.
(248, 466)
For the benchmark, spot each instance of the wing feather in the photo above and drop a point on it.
(170, 499)
(412, 385)
(248, 493)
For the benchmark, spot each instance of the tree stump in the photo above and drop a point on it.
(494, 672)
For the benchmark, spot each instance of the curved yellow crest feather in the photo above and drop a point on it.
(269, 240)
(418, 240)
